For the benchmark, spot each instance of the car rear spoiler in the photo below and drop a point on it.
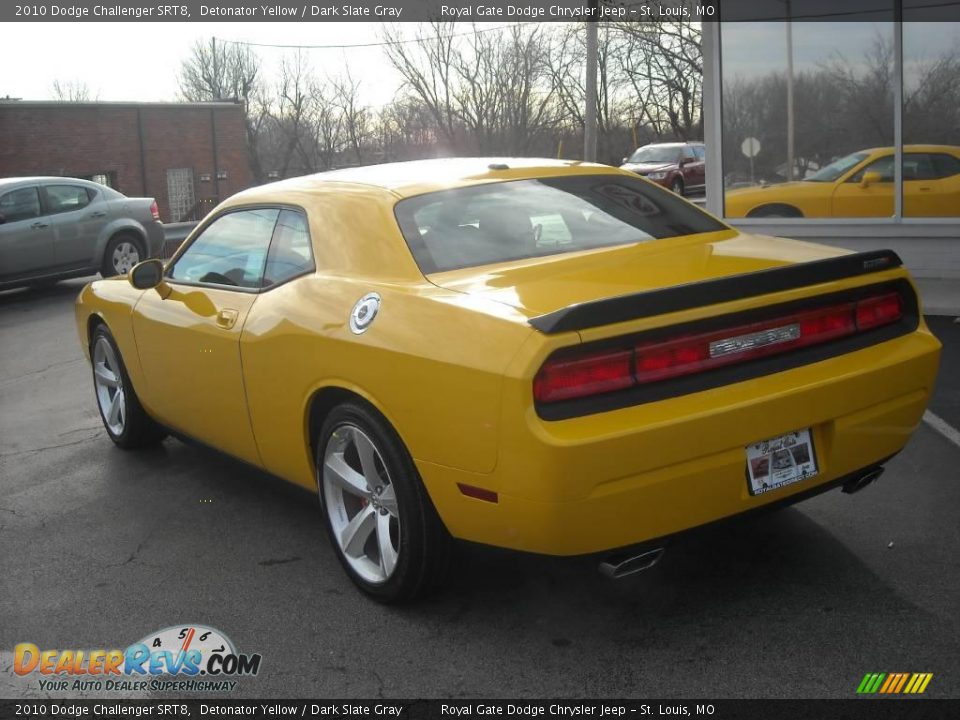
(709, 292)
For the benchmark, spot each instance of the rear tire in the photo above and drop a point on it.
(124, 418)
(123, 252)
(378, 515)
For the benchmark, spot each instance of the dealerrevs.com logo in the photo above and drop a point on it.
(180, 658)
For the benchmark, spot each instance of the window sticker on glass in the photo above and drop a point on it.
(781, 461)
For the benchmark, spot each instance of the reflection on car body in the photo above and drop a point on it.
(861, 185)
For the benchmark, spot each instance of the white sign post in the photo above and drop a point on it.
(750, 147)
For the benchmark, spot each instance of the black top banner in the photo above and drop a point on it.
(482, 11)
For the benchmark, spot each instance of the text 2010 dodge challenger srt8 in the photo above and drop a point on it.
(549, 356)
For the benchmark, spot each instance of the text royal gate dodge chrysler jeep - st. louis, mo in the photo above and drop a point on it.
(554, 357)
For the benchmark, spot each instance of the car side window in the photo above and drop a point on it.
(945, 165)
(65, 198)
(20, 204)
(230, 252)
(290, 252)
(883, 165)
(699, 151)
(688, 154)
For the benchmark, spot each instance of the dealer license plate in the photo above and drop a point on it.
(780, 461)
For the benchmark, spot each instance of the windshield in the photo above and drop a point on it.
(831, 172)
(520, 219)
(656, 154)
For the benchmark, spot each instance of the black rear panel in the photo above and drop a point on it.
(730, 374)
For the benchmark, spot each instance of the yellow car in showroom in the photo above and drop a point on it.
(861, 185)
(548, 356)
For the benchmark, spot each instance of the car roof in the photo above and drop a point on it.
(44, 179)
(405, 179)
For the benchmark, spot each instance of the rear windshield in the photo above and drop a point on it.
(521, 219)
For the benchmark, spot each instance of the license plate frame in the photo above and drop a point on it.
(781, 461)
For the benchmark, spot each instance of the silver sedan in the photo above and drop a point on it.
(53, 228)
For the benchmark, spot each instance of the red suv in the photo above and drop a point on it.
(678, 166)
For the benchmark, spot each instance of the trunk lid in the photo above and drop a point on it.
(547, 284)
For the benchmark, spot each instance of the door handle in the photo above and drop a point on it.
(97, 214)
(39, 224)
(226, 318)
(926, 189)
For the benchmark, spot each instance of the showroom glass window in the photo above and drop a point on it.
(931, 116)
(806, 105)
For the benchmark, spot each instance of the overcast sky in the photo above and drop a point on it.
(140, 61)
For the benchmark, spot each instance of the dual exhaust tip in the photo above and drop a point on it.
(622, 565)
(859, 483)
(619, 566)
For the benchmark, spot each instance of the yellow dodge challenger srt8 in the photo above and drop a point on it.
(549, 356)
(861, 185)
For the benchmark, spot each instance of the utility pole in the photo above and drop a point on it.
(590, 112)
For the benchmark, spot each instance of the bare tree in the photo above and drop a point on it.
(427, 68)
(355, 118)
(217, 70)
(72, 91)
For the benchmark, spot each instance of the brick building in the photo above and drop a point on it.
(186, 155)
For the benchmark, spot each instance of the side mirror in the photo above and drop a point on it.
(870, 178)
(624, 161)
(147, 274)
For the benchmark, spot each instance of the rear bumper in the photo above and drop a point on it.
(624, 477)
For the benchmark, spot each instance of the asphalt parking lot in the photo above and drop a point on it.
(99, 547)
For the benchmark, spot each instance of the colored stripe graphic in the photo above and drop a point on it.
(903, 681)
(894, 683)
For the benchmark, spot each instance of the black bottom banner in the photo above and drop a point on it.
(866, 708)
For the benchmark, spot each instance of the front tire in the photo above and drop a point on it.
(122, 253)
(677, 186)
(124, 418)
(380, 520)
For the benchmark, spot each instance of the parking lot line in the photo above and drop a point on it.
(942, 427)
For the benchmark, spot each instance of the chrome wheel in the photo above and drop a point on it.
(125, 256)
(108, 382)
(361, 503)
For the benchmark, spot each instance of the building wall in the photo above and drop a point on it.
(137, 143)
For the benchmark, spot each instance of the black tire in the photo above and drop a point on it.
(130, 245)
(138, 429)
(423, 543)
(775, 211)
(677, 186)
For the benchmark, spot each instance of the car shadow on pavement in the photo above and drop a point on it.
(38, 293)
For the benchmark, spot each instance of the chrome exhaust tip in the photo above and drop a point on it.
(621, 566)
(859, 483)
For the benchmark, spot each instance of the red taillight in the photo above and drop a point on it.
(154, 210)
(877, 311)
(565, 377)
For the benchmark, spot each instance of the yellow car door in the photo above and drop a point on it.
(931, 185)
(868, 192)
(188, 331)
